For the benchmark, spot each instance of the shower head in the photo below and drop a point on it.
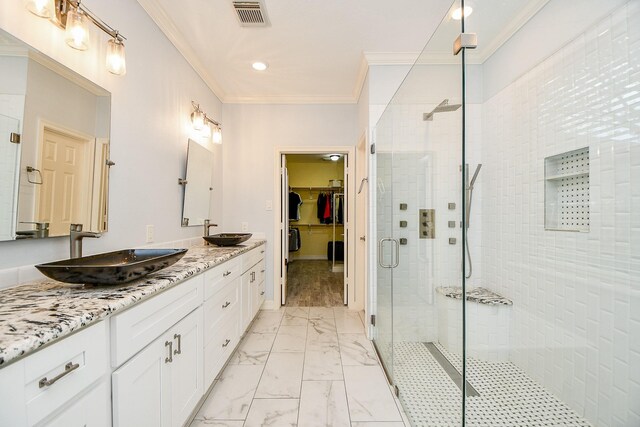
(443, 107)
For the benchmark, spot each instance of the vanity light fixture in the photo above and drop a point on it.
(74, 18)
(41, 8)
(203, 124)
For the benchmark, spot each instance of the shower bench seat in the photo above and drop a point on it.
(487, 322)
(479, 295)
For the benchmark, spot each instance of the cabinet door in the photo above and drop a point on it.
(246, 301)
(138, 396)
(185, 371)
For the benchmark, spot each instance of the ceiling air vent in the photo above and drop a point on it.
(251, 13)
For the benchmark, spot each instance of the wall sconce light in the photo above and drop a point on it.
(74, 18)
(203, 124)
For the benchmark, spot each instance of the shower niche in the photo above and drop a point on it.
(566, 195)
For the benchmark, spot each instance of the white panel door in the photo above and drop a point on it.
(284, 226)
(66, 182)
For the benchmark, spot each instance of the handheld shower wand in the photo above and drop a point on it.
(467, 214)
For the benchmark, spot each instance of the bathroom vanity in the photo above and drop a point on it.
(140, 354)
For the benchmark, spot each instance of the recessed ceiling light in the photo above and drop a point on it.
(457, 14)
(259, 66)
(335, 157)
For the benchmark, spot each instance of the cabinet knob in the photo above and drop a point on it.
(170, 345)
(179, 338)
(262, 293)
(226, 342)
(226, 273)
(226, 304)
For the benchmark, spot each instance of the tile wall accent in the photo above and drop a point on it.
(576, 296)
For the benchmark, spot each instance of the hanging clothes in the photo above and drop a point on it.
(327, 216)
(320, 205)
(340, 213)
(295, 241)
(294, 206)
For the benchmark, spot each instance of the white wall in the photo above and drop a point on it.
(149, 127)
(554, 26)
(252, 133)
(576, 296)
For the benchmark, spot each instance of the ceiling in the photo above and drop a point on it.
(318, 51)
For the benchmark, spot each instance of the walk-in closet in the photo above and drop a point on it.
(316, 229)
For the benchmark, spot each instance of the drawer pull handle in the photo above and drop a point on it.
(179, 338)
(226, 343)
(170, 345)
(262, 293)
(226, 304)
(262, 251)
(262, 271)
(226, 273)
(68, 368)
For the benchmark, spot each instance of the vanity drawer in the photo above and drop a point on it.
(252, 257)
(135, 328)
(220, 305)
(220, 275)
(225, 338)
(260, 271)
(68, 367)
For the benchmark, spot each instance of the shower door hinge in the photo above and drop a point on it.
(373, 148)
(465, 40)
(373, 320)
(14, 137)
(396, 390)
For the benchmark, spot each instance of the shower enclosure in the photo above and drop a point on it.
(506, 211)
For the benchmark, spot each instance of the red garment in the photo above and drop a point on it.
(327, 208)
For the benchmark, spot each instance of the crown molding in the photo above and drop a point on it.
(285, 99)
(528, 11)
(166, 25)
(363, 70)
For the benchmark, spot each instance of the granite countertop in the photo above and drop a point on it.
(479, 295)
(39, 312)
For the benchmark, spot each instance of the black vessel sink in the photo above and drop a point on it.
(227, 239)
(111, 268)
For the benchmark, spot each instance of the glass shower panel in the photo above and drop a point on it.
(9, 165)
(418, 158)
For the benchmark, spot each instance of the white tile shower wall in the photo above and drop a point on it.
(576, 313)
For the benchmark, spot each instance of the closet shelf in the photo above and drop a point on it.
(299, 224)
(317, 188)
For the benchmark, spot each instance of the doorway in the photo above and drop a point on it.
(313, 229)
(315, 223)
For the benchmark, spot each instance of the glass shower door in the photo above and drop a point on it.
(418, 215)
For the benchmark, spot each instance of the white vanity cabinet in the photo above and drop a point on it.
(252, 284)
(161, 384)
(65, 384)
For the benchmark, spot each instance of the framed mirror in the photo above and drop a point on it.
(54, 146)
(197, 185)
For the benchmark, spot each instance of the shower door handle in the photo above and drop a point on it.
(395, 262)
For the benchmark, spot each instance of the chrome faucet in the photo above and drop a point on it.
(208, 225)
(75, 239)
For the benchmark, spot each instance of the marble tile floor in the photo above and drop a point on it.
(303, 366)
(312, 283)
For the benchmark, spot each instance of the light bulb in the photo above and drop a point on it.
(259, 66)
(77, 30)
(197, 119)
(217, 135)
(41, 8)
(206, 131)
(457, 14)
(334, 157)
(116, 63)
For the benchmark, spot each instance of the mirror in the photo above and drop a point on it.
(197, 188)
(54, 146)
